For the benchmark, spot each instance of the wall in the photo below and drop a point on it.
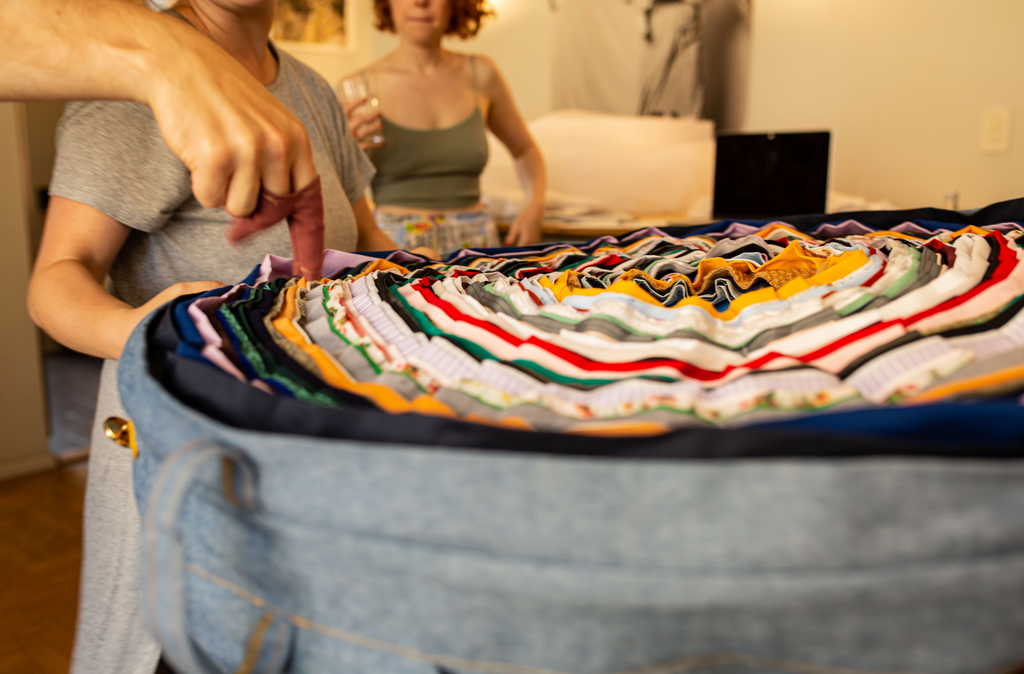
(902, 85)
(41, 118)
(726, 61)
(519, 41)
(22, 409)
(335, 62)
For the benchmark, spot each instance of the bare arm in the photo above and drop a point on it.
(227, 128)
(507, 124)
(370, 236)
(66, 296)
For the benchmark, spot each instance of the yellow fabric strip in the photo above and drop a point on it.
(835, 269)
(829, 270)
(985, 381)
(381, 265)
(969, 229)
(774, 227)
(625, 428)
(893, 235)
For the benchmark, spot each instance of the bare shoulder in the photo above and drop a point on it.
(378, 67)
(486, 68)
(488, 73)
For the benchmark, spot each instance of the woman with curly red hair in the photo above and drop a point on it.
(434, 107)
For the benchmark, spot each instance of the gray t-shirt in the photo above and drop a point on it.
(111, 156)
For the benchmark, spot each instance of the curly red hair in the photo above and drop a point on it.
(467, 16)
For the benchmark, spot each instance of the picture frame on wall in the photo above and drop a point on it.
(311, 22)
(324, 34)
(321, 27)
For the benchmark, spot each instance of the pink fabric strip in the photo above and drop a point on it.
(274, 266)
(213, 349)
(304, 211)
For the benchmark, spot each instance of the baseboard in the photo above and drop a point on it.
(26, 464)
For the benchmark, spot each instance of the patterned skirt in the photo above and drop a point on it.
(445, 233)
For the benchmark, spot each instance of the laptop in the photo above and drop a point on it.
(770, 175)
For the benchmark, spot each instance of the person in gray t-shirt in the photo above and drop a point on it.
(122, 208)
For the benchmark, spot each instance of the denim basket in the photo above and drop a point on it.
(280, 553)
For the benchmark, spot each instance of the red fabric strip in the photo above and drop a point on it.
(304, 211)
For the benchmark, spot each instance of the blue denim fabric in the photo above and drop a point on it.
(306, 555)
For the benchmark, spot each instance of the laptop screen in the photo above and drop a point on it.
(770, 175)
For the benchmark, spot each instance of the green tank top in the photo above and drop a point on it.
(437, 169)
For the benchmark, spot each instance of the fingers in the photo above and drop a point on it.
(359, 119)
(210, 179)
(278, 150)
(351, 106)
(512, 238)
(267, 156)
(367, 130)
(426, 252)
(522, 233)
(243, 191)
(232, 134)
(201, 286)
(179, 289)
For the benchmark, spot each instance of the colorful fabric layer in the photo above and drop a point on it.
(637, 335)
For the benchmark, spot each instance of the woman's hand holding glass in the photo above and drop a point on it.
(362, 109)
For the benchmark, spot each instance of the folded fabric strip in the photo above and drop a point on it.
(304, 211)
(636, 335)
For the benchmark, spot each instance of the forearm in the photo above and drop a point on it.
(370, 236)
(527, 227)
(82, 49)
(71, 306)
(375, 239)
(215, 116)
(532, 175)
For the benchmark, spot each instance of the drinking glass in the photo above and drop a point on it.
(358, 88)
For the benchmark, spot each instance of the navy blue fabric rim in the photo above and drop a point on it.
(987, 429)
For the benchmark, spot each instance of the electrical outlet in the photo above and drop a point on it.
(995, 131)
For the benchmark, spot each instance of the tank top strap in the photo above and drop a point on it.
(472, 73)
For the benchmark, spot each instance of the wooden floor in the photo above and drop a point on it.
(40, 554)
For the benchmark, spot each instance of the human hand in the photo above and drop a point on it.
(365, 123)
(304, 211)
(526, 228)
(133, 316)
(230, 132)
(426, 252)
(173, 292)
